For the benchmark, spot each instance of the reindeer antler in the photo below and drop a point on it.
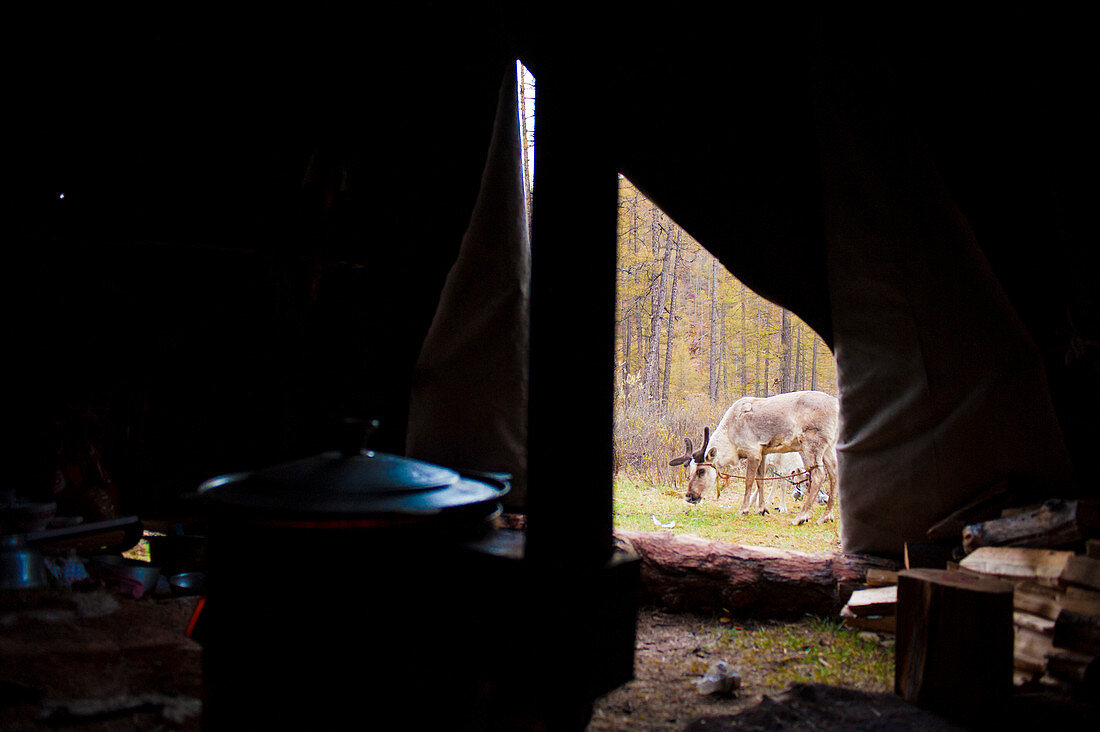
(685, 457)
(698, 455)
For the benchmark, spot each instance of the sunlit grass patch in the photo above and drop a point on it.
(641, 507)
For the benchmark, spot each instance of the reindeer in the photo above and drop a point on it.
(805, 422)
(777, 465)
(781, 470)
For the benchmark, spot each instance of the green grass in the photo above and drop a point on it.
(719, 519)
(817, 650)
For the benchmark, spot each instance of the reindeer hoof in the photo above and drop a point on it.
(799, 520)
(826, 518)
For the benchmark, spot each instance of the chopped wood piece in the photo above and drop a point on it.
(955, 638)
(1079, 669)
(1083, 571)
(875, 601)
(1032, 600)
(876, 623)
(1034, 623)
(1044, 566)
(1049, 603)
(1077, 632)
(1056, 522)
(1029, 650)
(881, 577)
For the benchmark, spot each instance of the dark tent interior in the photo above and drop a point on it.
(230, 227)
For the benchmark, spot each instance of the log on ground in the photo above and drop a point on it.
(683, 572)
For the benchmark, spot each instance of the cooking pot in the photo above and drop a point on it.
(350, 554)
(359, 489)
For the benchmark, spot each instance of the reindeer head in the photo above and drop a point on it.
(700, 474)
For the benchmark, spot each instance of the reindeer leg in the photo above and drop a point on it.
(751, 464)
(831, 469)
(761, 494)
(812, 462)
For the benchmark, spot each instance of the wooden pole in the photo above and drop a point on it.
(573, 251)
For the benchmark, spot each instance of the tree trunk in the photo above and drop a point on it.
(713, 346)
(627, 333)
(671, 318)
(684, 572)
(785, 352)
(649, 381)
(813, 366)
(744, 345)
(799, 369)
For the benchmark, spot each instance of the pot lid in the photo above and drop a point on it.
(353, 481)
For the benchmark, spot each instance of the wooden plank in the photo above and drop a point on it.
(1049, 603)
(1029, 650)
(875, 601)
(875, 623)
(881, 577)
(1034, 623)
(955, 642)
(1044, 566)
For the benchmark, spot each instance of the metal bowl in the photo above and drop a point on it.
(21, 567)
(111, 566)
(187, 583)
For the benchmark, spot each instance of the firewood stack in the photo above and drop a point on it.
(1049, 556)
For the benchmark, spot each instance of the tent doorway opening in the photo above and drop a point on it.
(690, 339)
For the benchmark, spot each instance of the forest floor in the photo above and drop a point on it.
(674, 650)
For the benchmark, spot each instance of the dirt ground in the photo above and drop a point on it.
(672, 652)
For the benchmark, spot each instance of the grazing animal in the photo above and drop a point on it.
(776, 476)
(776, 465)
(805, 422)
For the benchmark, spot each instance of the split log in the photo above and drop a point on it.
(1056, 522)
(1080, 670)
(1047, 602)
(1077, 632)
(874, 623)
(683, 572)
(954, 650)
(881, 577)
(1083, 571)
(1042, 566)
(875, 601)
